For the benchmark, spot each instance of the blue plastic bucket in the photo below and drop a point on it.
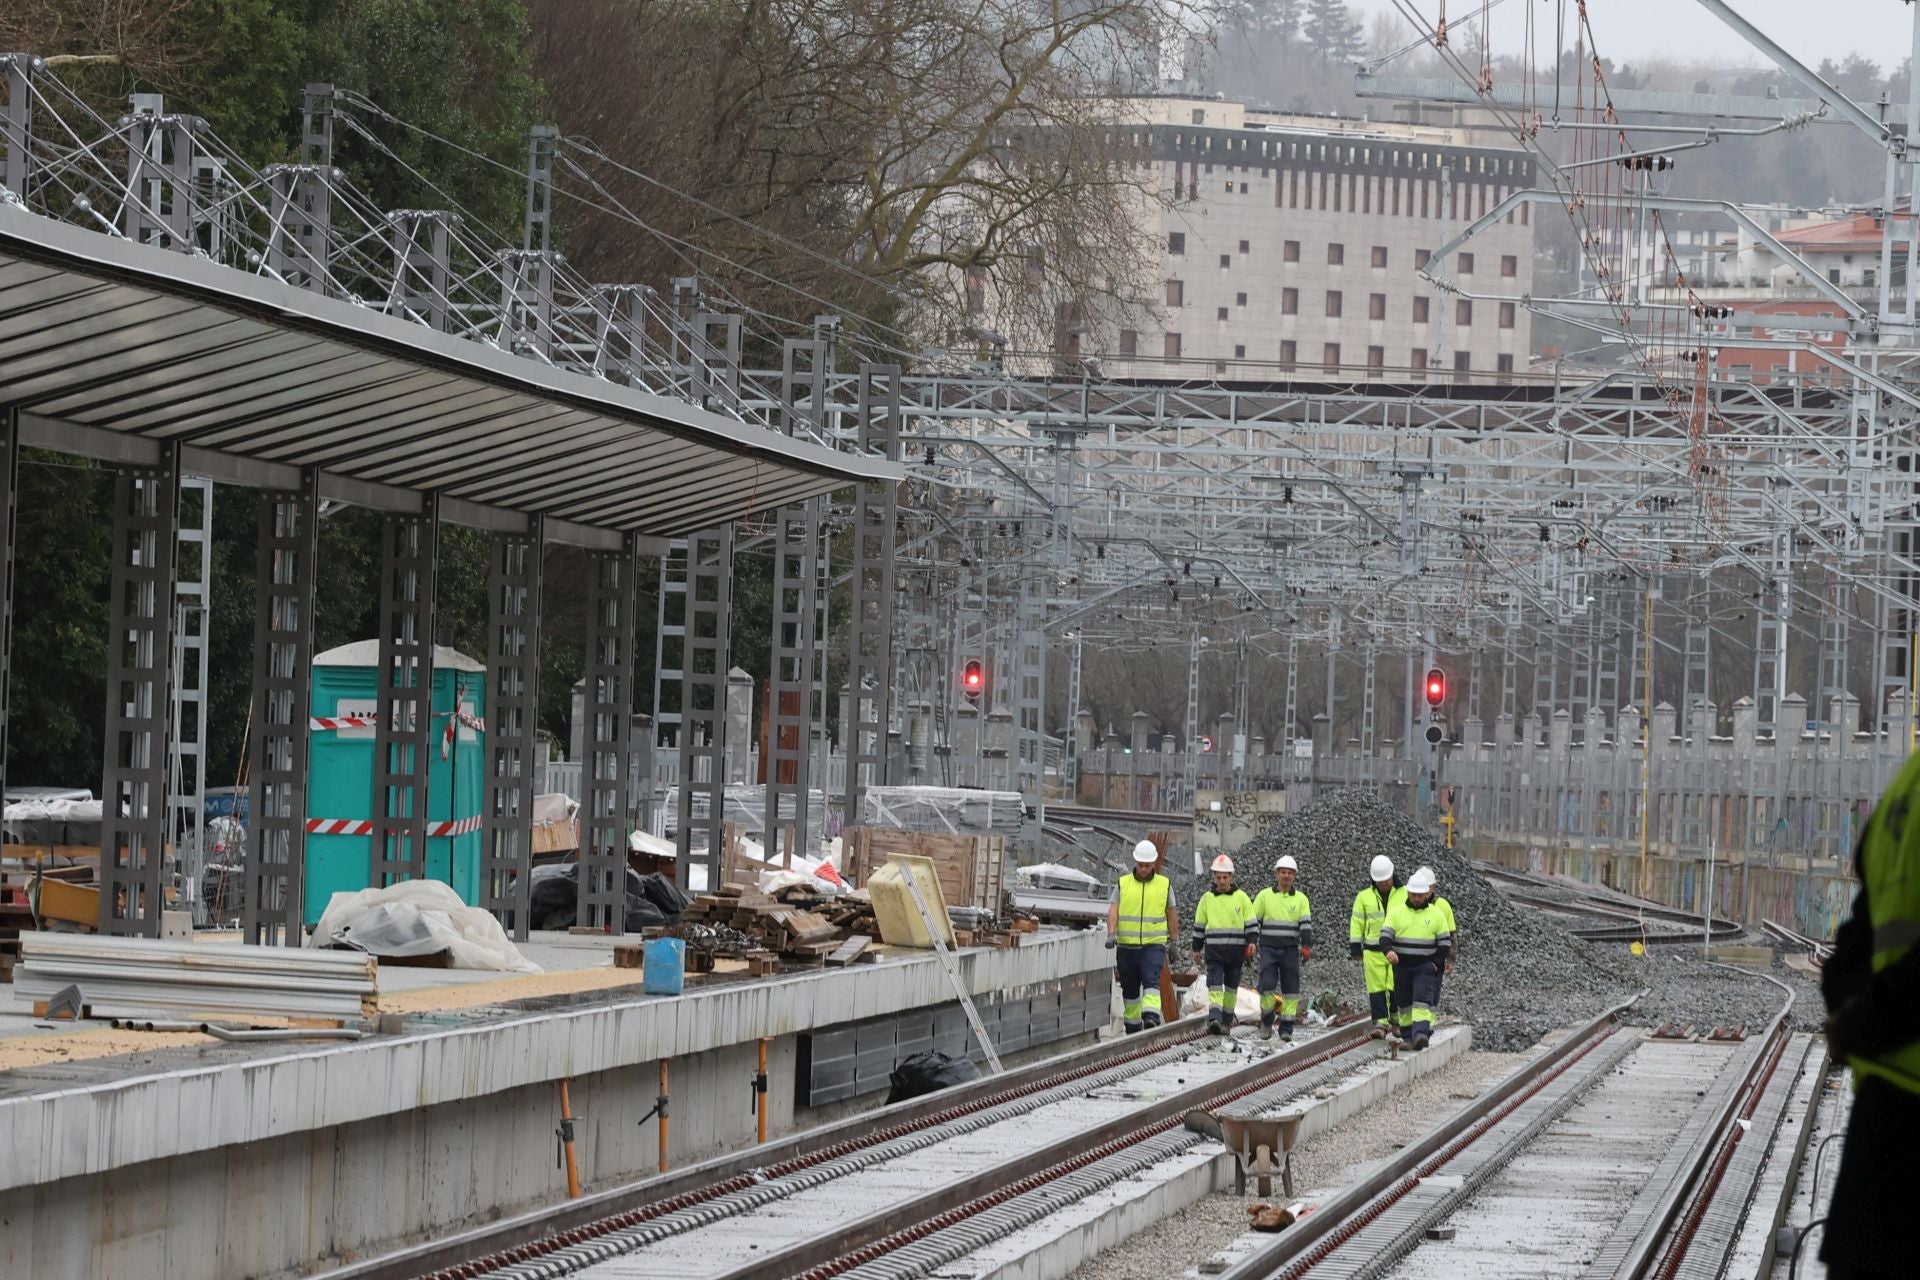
(665, 967)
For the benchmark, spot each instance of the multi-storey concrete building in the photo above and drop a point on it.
(1292, 245)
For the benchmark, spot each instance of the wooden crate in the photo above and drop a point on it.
(972, 869)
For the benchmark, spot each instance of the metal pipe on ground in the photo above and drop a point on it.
(242, 1035)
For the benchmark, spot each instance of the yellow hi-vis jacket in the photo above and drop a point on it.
(1143, 911)
(1890, 882)
(1223, 919)
(1283, 919)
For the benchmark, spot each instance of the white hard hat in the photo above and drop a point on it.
(1382, 868)
(1420, 882)
(1286, 863)
(1146, 852)
(1428, 873)
(1223, 863)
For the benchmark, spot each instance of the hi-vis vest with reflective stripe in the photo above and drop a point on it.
(1282, 917)
(1369, 913)
(1224, 918)
(1890, 866)
(1417, 933)
(1143, 911)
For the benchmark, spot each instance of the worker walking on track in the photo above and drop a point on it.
(1872, 988)
(1453, 925)
(1284, 923)
(1142, 922)
(1417, 940)
(1370, 907)
(1223, 937)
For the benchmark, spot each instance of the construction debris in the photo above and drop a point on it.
(139, 975)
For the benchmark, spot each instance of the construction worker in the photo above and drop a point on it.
(1370, 907)
(1872, 988)
(1417, 939)
(1142, 922)
(1223, 937)
(1284, 924)
(1453, 926)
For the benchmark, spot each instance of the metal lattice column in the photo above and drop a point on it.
(1192, 743)
(16, 123)
(705, 645)
(870, 670)
(606, 802)
(515, 575)
(187, 747)
(273, 896)
(1368, 725)
(1289, 729)
(1770, 656)
(9, 505)
(133, 822)
(160, 154)
(1073, 716)
(1242, 726)
(300, 199)
(795, 678)
(403, 710)
(1029, 653)
(422, 266)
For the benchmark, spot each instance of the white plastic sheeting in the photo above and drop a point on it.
(418, 918)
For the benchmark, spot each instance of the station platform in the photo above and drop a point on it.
(178, 1154)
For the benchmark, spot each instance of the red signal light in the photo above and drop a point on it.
(1436, 687)
(973, 678)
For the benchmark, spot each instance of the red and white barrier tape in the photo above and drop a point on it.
(364, 827)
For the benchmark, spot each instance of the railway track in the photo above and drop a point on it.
(823, 1202)
(1609, 1156)
(1086, 815)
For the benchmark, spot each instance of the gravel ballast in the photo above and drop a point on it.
(1518, 973)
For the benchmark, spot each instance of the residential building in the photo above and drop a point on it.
(1291, 247)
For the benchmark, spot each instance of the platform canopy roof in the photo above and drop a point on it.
(113, 349)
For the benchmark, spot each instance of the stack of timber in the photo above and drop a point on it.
(972, 869)
(743, 922)
(141, 976)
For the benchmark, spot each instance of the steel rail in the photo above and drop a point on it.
(1663, 1243)
(528, 1235)
(1146, 817)
(1318, 1233)
(875, 1234)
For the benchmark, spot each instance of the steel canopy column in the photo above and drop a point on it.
(706, 636)
(609, 710)
(133, 821)
(515, 574)
(796, 621)
(273, 893)
(403, 710)
(9, 504)
(870, 671)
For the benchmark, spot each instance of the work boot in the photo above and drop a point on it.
(1286, 1032)
(1215, 1027)
(1266, 1031)
(1151, 1021)
(1379, 1032)
(1134, 1028)
(1419, 1042)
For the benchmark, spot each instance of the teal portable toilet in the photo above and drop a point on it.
(340, 774)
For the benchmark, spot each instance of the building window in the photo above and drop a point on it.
(1463, 312)
(1220, 366)
(1176, 293)
(1219, 313)
(1239, 299)
(1173, 346)
(1466, 264)
(1504, 364)
(1462, 362)
(1506, 315)
(1243, 188)
(1421, 257)
(1376, 306)
(1866, 277)
(1129, 343)
(1330, 357)
(1833, 275)
(1239, 351)
(1417, 360)
(1244, 246)
(1376, 360)
(1420, 310)
(1290, 251)
(1287, 350)
(1199, 116)
(1176, 242)
(976, 291)
(1226, 260)
(1509, 265)
(1333, 302)
(1379, 255)
(1336, 254)
(1289, 302)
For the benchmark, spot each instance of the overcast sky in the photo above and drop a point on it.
(1633, 30)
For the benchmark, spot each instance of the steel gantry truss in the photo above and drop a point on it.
(1526, 525)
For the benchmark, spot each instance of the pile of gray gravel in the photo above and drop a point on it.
(1518, 973)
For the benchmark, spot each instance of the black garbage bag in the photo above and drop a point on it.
(662, 893)
(556, 898)
(922, 1073)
